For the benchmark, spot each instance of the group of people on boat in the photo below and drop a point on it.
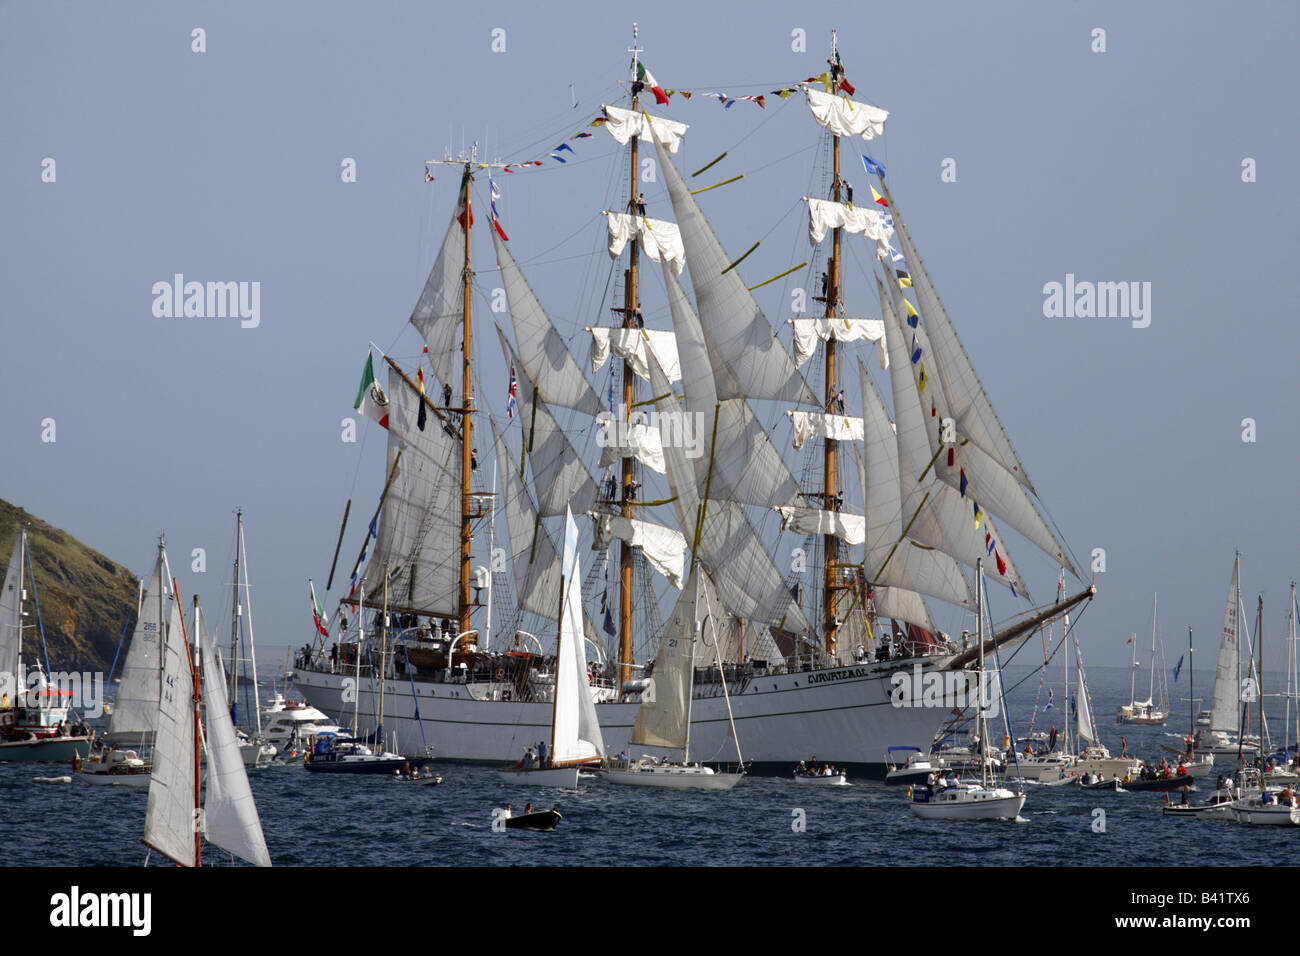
(811, 769)
(1162, 772)
(943, 781)
(536, 757)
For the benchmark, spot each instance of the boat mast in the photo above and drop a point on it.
(235, 610)
(979, 708)
(383, 666)
(629, 397)
(1191, 693)
(830, 542)
(198, 700)
(252, 644)
(467, 407)
(1132, 671)
(1155, 609)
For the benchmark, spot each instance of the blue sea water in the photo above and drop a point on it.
(322, 820)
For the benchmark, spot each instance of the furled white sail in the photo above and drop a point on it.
(1086, 731)
(631, 344)
(824, 425)
(662, 720)
(230, 818)
(422, 510)
(438, 314)
(846, 117)
(576, 731)
(938, 515)
(747, 358)
(532, 554)
(11, 622)
(561, 478)
(892, 558)
(747, 466)
(1224, 716)
(554, 372)
(845, 525)
(135, 713)
(663, 547)
(169, 815)
(624, 124)
(824, 214)
(968, 403)
(749, 584)
(660, 240)
(635, 439)
(809, 332)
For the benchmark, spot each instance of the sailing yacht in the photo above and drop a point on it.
(226, 812)
(804, 670)
(575, 732)
(1220, 732)
(983, 801)
(34, 717)
(254, 747)
(1144, 711)
(132, 727)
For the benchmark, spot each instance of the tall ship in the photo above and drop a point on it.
(822, 551)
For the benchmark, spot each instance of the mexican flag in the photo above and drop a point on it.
(318, 612)
(644, 77)
(371, 399)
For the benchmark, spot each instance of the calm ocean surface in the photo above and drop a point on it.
(312, 820)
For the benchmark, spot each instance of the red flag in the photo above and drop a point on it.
(463, 205)
(496, 224)
(1002, 565)
(847, 87)
(951, 453)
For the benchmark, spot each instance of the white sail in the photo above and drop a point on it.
(438, 314)
(634, 439)
(661, 720)
(825, 214)
(747, 466)
(968, 403)
(1086, 731)
(230, 818)
(848, 527)
(422, 511)
(660, 240)
(576, 733)
(135, 713)
(747, 358)
(554, 372)
(664, 548)
(846, 117)
(807, 425)
(937, 514)
(1224, 717)
(561, 478)
(808, 333)
(749, 585)
(903, 604)
(631, 344)
(169, 819)
(892, 558)
(11, 622)
(532, 554)
(624, 124)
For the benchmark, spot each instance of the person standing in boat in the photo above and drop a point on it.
(541, 755)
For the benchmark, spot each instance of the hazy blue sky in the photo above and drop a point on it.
(225, 166)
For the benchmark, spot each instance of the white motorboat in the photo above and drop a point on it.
(288, 724)
(915, 768)
(1268, 809)
(120, 768)
(967, 802)
(660, 772)
(838, 779)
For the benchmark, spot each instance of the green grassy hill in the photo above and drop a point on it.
(85, 598)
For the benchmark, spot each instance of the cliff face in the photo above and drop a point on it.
(85, 598)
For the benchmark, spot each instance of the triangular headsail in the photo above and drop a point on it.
(576, 733)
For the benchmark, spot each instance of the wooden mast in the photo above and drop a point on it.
(197, 698)
(466, 437)
(629, 398)
(831, 543)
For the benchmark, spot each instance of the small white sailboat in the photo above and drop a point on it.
(983, 801)
(1144, 712)
(254, 748)
(575, 733)
(227, 815)
(664, 718)
(1220, 733)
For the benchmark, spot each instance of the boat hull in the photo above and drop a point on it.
(46, 749)
(673, 778)
(843, 715)
(1266, 814)
(321, 763)
(975, 805)
(565, 778)
(542, 820)
(837, 779)
(138, 780)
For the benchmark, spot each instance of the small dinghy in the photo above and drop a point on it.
(1111, 784)
(541, 820)
(840, 779)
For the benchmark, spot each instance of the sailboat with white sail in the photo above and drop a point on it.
(179, 814)
(575, 732)
(254, 748)
(785, 664)
(1145, 712)
(35, 722)
(1219, 731)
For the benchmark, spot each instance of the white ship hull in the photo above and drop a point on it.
(674, 777)
(842, 715)
(563, 777)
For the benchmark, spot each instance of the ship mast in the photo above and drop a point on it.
(467, 404)
(629, 397)
(832, 296)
